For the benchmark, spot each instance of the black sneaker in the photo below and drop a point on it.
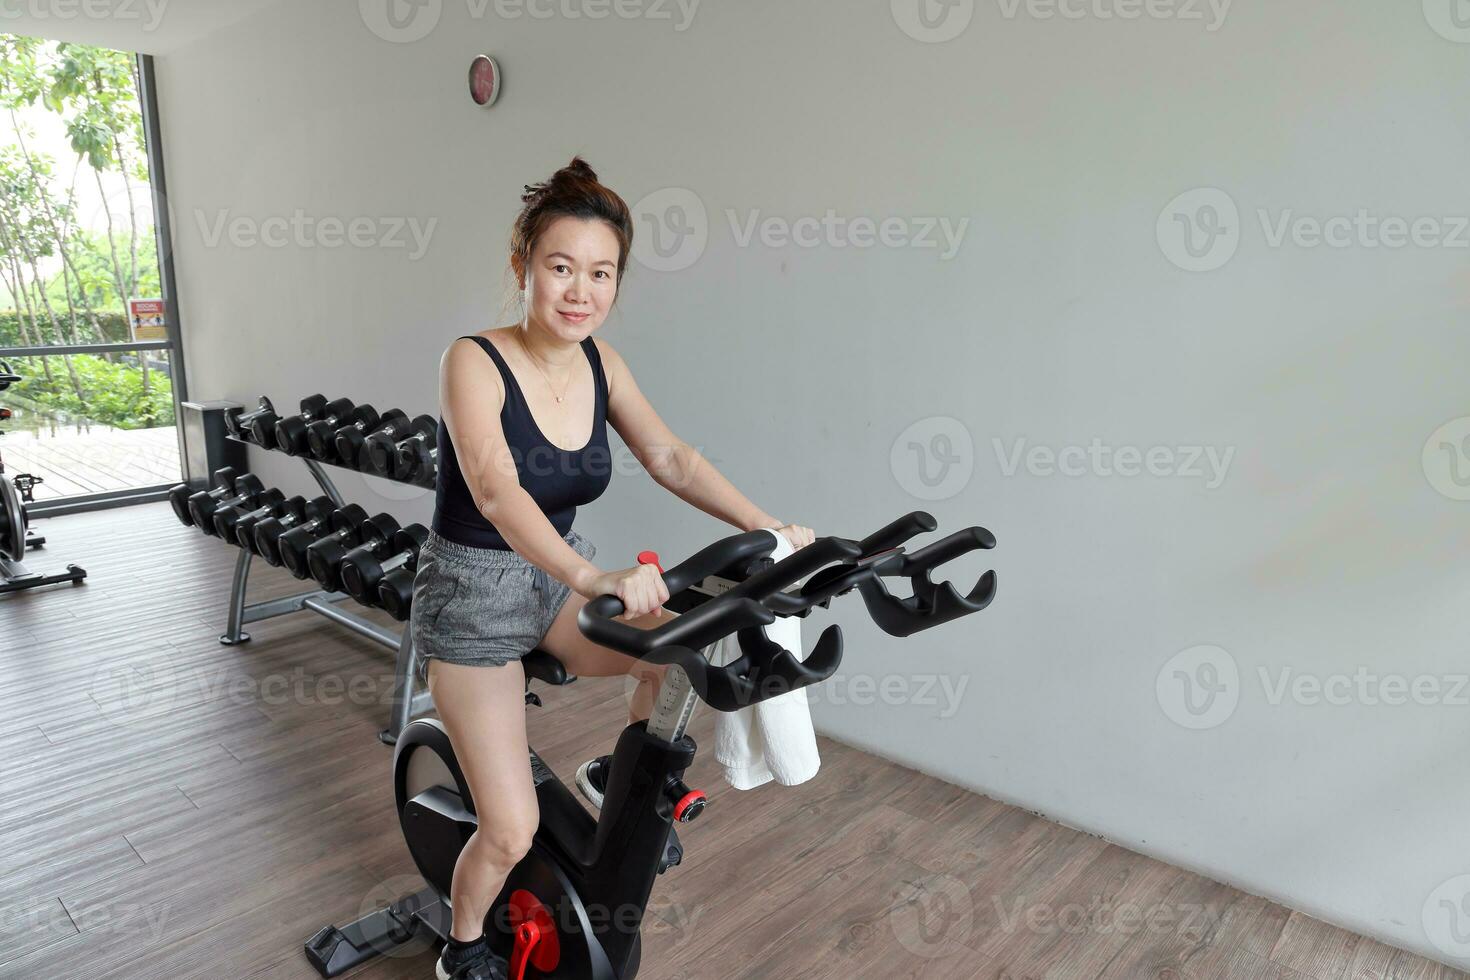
(479, 962)
(592, 783)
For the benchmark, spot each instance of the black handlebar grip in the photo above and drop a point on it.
(695, 629)
(792, 568)
(895, 534)
(941, 551)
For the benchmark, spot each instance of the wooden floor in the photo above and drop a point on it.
(166, 813)
(93, 460)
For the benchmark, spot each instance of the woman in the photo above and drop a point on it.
(522, 444)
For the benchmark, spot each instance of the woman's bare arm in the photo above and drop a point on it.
(470, 399)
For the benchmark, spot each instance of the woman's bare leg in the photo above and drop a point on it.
(484, 711)
(587, 659)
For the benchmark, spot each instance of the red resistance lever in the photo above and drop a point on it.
(536, 941)
(650, 558)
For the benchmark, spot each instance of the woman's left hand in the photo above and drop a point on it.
(799, 536)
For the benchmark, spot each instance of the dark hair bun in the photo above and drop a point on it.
(577, 170)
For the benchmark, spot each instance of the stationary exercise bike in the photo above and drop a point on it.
(17, 537)
(572, 908)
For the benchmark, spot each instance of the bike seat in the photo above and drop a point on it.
(542, 666)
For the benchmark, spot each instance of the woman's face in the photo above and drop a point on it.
(572, 279)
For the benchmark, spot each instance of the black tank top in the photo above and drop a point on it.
(558, 480)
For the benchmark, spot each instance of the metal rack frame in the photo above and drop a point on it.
(406, 703)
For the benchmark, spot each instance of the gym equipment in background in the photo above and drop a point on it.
(287, 533)
(308, 538)
(321, 435)
(291, 430)
(340, 433)
(550, 920)
(256, 427)
(324, 557)
(416, 459)
(296, 544)
(382, 450)
(17, 537)
(266, 537)
(348, 441)
(203, 504)
(245, 526)
(382, 576)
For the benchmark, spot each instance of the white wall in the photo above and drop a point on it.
(1061, 320)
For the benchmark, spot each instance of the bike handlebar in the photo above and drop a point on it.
(764, 669)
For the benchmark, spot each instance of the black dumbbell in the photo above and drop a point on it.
(261, 430)
(226, 518)
(203, 504)
(382, 454)
(294, 543)
(395, 593)
(238, 422)
(291, 431)
(324, 557)
(352, 439)
(364, 567)
(416, 458)
(178, 497)
(321, 435)
(246, 526)
(266, 537)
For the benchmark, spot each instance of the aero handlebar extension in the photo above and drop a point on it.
(831, 567)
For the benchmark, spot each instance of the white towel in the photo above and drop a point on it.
(775, 738)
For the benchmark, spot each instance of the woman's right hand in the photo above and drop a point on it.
(641, 589)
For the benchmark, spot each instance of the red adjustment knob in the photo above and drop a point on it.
(536, 940)
(690, 805)
(650, 558)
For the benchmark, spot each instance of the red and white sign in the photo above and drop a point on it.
(148, 319)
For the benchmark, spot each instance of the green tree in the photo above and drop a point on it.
(60, 275)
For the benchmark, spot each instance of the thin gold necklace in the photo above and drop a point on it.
(537, 366)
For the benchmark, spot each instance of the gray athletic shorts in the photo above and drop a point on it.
(482, 606)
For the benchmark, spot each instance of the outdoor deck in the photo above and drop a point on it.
(94, 460)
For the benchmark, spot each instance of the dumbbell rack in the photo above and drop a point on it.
(406, 702)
